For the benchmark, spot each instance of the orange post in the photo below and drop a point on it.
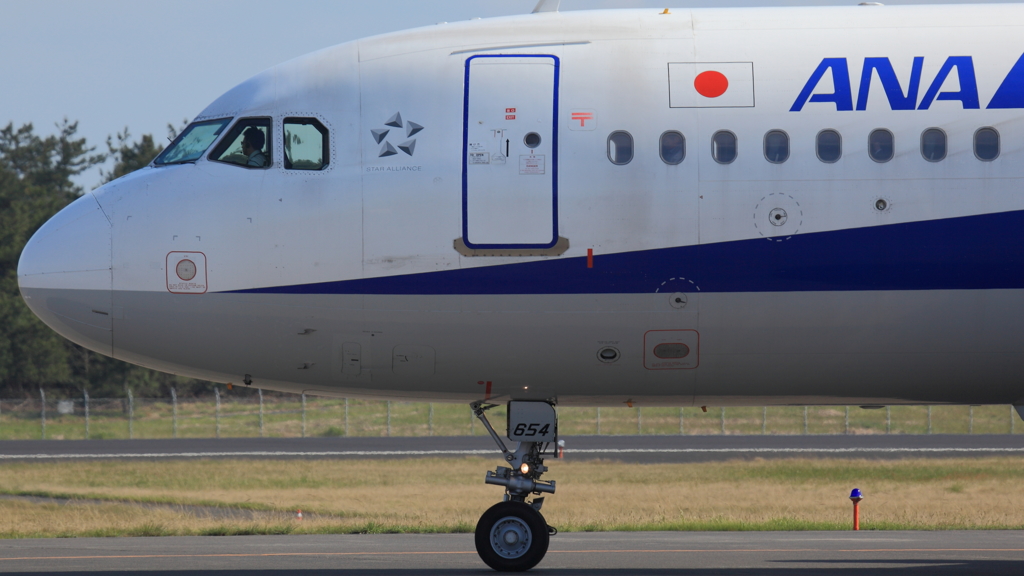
(856, 497)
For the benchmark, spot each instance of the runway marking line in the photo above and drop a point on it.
(270, 554)
(568, 452)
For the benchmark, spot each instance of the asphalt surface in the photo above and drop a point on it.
(609, 553)
(639, 449)
(659, 553)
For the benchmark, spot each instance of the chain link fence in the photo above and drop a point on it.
(257, 414)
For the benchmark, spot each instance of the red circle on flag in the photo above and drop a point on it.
(711, 84)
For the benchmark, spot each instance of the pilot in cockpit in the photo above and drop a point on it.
(252, 146)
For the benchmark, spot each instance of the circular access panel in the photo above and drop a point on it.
(186, 270)
(778, 216)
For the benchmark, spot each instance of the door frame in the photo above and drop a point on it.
(556, 244)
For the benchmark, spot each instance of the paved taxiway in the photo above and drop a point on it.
(660, 553)
(623, 448)
(610, 553)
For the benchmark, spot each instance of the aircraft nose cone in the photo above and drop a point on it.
(65, 274)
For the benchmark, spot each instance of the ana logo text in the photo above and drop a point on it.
(900, 96)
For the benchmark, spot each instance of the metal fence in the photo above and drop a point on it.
(249, 413)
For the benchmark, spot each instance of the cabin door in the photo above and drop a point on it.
(510, 153)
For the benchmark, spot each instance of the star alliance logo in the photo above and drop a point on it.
(410, 129)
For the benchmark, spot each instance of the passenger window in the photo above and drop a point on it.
(776, 146)
(673, 147)
(306, 144)
(880, 145)
(723, 147)
(246, 144)
(620, 147)
(986, 144)
(829, 146)
(933, 144)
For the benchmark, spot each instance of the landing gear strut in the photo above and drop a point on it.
(512, 536)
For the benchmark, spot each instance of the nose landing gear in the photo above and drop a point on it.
(512, 536)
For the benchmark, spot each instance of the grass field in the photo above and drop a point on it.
(435, 495)
(283, 416)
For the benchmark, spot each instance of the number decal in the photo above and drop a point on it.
(530, 421)
(531, 429)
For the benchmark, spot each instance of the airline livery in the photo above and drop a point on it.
(676, 207)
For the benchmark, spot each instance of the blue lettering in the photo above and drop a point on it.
(843, 95)
(1011, 92)
(891, 84)
(968, 94)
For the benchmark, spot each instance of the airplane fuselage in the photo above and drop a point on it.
(699, 207)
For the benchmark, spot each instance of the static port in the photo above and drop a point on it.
(881, 204)
(677, 300)
(608, 354)
(777, 217)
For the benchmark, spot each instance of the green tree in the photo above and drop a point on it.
(35, 183)
(129, 156)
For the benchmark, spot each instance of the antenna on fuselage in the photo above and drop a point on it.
(546, 6)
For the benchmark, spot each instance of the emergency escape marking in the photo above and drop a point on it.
(186, 272)
(711, 84)
(493, 150)
(510, 113)
(531, 165)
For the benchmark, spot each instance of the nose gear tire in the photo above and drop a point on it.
(512, 537)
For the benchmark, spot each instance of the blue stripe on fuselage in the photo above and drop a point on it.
(968, 253)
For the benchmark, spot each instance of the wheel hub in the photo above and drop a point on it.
(510, 537)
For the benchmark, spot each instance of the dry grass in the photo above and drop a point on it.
(283, 414)
(433, 495)
(47, 520)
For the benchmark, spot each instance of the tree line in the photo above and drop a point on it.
(36, 181)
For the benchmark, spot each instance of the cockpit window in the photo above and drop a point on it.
(306, 144)
(247, 144)
(192, 142)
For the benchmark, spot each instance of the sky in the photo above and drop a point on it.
(142, 64)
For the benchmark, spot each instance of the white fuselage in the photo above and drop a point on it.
(502, 214)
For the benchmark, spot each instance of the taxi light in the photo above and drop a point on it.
(524, 468)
